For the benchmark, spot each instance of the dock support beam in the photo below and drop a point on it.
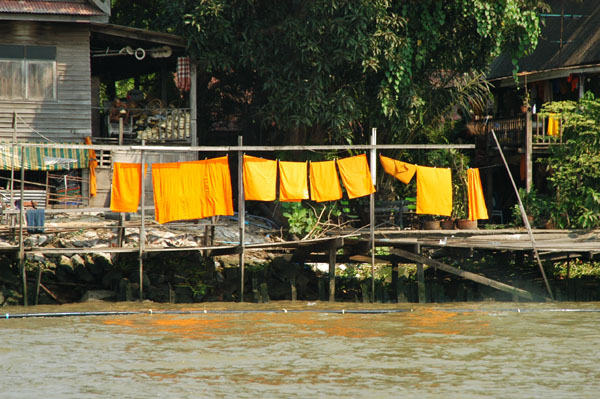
(461, 273)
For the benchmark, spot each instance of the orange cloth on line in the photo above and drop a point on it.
(192, 190)
(356, 176)
(400, 170)
(324, 182)
(260, 179)
(553, 125)
(293, 181)
(93, 164)
(434, 191)
(477, 208)
(126, 188)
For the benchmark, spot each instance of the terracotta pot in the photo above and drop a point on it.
(431, 225)
(464, 224)
(447, 224)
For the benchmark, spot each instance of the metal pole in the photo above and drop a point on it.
(524, 217)
(142, 226)
(241, 214)
(372, 210)
(21, 217)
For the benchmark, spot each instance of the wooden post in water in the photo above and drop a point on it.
(142, 225)
(394, 280)
(21, 217)
(332, 260)
(373, 165)
(38, 282)
(420, 277)
(241, 214)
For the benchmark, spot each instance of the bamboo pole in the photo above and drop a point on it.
(373, 162)
(241, 214)
(524, 217)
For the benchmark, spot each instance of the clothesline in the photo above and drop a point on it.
(200, 189)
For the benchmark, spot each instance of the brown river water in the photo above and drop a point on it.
(458, 350)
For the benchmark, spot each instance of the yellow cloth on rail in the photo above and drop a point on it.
(434, 191)
(324, 182)
(192, 190)
(400, 170)
(553, 125)
(477, 208)
(93, 164)
(356, 176)
(126, 188)
(260, 179)
(293, 181)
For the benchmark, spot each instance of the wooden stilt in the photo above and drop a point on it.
(332, 260)
(420, 277)
(394, 281)
(38, 281)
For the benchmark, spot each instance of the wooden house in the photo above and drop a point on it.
(565, 64)
(54, 58)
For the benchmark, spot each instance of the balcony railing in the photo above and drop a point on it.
(154, 125)
(512, 132)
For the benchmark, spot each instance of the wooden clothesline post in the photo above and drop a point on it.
(142, 226)
(372, 209)
(21, 217)
(241, 214)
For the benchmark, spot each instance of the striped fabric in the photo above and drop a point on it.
(43, 159)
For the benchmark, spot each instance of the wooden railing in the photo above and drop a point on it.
(512, 132)
(155, 125)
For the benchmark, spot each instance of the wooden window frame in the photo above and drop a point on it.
(25, 63)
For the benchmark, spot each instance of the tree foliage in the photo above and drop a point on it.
(327, 70)
(574, 166)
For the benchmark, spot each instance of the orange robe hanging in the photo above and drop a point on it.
(192, 190)
(260, 179)
(93, 164)
(434, 191)
(477, 208)
(324, 182)
(293, 181)
(356, 176)
(126, 188)
(400, 170)
(553, 125)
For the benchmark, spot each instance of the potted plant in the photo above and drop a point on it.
(460, 202)
(525, 101)
(536, 206)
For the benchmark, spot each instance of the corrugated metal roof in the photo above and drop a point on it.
(574, 41)
(48, 7)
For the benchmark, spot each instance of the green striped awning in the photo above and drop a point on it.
(42, 158)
